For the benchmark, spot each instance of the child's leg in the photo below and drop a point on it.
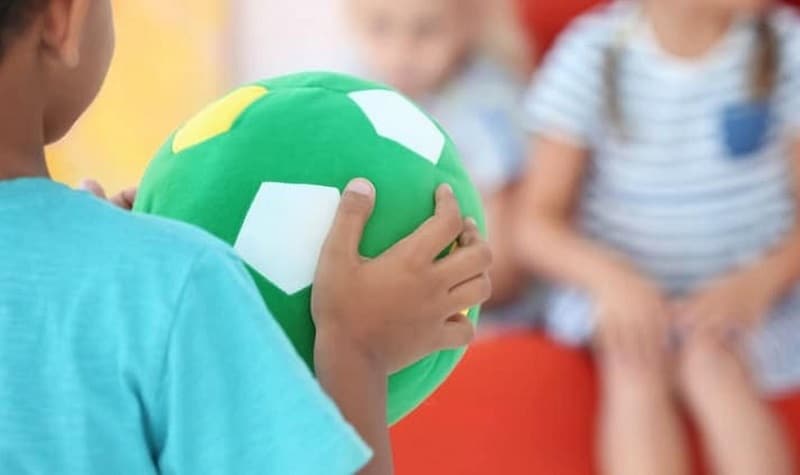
(740, 433)
(640, 429)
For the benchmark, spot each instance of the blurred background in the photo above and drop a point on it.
(518, 404)
(173, 57)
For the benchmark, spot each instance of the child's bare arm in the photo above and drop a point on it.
(632, 311)
(743, 298)
(547, 242)
(508, 279)
(375, 317)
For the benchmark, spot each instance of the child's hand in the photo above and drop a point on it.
(633, 317)
(735, 302)
(405, 304)
(123, 199)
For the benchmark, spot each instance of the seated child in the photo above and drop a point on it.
(663, 203)
(431, 50)
(130, 344)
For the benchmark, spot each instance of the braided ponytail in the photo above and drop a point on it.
(766, 63)
(611, 90)
(766, 68)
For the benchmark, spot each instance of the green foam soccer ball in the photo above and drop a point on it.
(263, 169)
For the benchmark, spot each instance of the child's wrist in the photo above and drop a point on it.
(608, 276)
(331, 343)
(769, 278)
(360, 390)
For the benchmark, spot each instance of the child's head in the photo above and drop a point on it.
(57, 52)
(413, 44)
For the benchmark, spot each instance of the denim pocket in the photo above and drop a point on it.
(746, 128)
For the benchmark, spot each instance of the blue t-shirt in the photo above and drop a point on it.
(130, 344)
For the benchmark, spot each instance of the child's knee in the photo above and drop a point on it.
(708, 365)
(628, 381)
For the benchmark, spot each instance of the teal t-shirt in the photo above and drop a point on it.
(135, 345)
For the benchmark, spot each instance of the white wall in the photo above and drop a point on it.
(273, 37)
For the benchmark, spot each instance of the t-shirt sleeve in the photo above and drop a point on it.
(235, 397)
(788, 25)
(490, 138)
(566, 97)
(498, 149)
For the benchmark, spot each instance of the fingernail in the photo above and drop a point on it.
(446, 188)
(361, 186)
(470, 220)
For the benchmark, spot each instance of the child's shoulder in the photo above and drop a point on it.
(786, 24)
(76, 247)
(161, 238)
(582, 46)
(786, 21)
(600, 25)
(482, 81)
(148, 240)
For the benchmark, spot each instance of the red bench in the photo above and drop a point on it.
(517, 405)
(544, 19)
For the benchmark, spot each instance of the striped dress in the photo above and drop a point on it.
(699, 181)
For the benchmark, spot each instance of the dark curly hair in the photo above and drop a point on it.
(14, 17)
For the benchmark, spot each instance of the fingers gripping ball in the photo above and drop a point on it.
(264, 169)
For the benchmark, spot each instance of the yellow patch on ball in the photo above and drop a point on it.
(217, 118)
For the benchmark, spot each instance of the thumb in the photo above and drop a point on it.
(354, 211)
(125, 199)
(93, 187)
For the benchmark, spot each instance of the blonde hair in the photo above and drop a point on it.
(764, 79)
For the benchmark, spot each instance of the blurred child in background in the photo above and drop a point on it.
(463, 61)
(663, 201)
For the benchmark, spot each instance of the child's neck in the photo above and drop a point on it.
(21, 128)
(20, 165)
(686, 29)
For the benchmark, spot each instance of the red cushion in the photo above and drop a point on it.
(544, 20)
(518, 404)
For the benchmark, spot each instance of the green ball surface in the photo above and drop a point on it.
(263, 169)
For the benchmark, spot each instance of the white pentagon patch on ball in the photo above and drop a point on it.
(263, 169)
(286, 224)
(396, 118)
(284, 231)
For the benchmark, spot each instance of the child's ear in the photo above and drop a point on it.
(62, 30)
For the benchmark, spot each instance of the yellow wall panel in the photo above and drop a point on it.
(170, 61)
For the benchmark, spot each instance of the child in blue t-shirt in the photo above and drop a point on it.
(131, 344)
